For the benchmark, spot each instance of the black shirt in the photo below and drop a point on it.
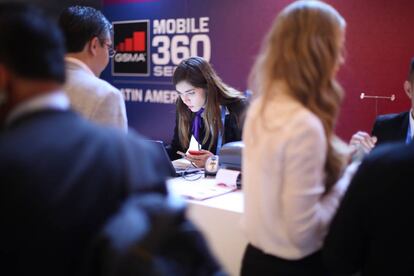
(233, 125)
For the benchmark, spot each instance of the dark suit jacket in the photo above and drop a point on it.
(61, 178)
(391, 127)
(165, 244)
(233, 125)
(373, 228)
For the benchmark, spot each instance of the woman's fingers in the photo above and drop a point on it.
(200, 159)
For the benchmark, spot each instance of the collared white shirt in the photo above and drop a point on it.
(54, 100)
(286, 209)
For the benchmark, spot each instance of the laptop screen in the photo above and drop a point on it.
(159, 145)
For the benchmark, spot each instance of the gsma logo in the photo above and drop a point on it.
(132, 51)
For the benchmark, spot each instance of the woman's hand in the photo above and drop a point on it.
(361, 144)
(200, 158)
(362, 140)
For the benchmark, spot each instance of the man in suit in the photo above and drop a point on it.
(372, 231)
(61, 176)
(390, 127)
(89, 47)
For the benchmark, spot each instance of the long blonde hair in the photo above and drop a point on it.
(200, 74)
(303, 49)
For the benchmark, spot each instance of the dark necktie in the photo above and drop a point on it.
(197, 124)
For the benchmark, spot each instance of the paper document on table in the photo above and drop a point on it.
(182, 164)
(227, 177)
(201, 189)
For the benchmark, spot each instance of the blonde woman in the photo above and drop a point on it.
(291, 162)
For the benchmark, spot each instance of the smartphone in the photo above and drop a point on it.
(195, 152)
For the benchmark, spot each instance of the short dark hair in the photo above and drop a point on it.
(80, 24)
(31, 46)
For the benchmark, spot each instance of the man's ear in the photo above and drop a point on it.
(93, 46)
(4, 91)
(3, 76)
(408, 89)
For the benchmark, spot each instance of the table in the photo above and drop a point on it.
(218, 218)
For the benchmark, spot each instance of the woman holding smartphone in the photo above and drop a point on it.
(208, 111)
(292, 159)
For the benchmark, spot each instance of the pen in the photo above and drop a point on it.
(182, 154)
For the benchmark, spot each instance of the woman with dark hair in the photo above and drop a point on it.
(207, 109)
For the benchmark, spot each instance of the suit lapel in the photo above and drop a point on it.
(402, 127)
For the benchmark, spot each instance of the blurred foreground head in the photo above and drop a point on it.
(31, 55)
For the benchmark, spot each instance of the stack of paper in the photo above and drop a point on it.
(199, 190)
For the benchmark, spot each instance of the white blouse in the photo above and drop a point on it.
(286, 213)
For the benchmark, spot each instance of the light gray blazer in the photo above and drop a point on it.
(94, 98)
